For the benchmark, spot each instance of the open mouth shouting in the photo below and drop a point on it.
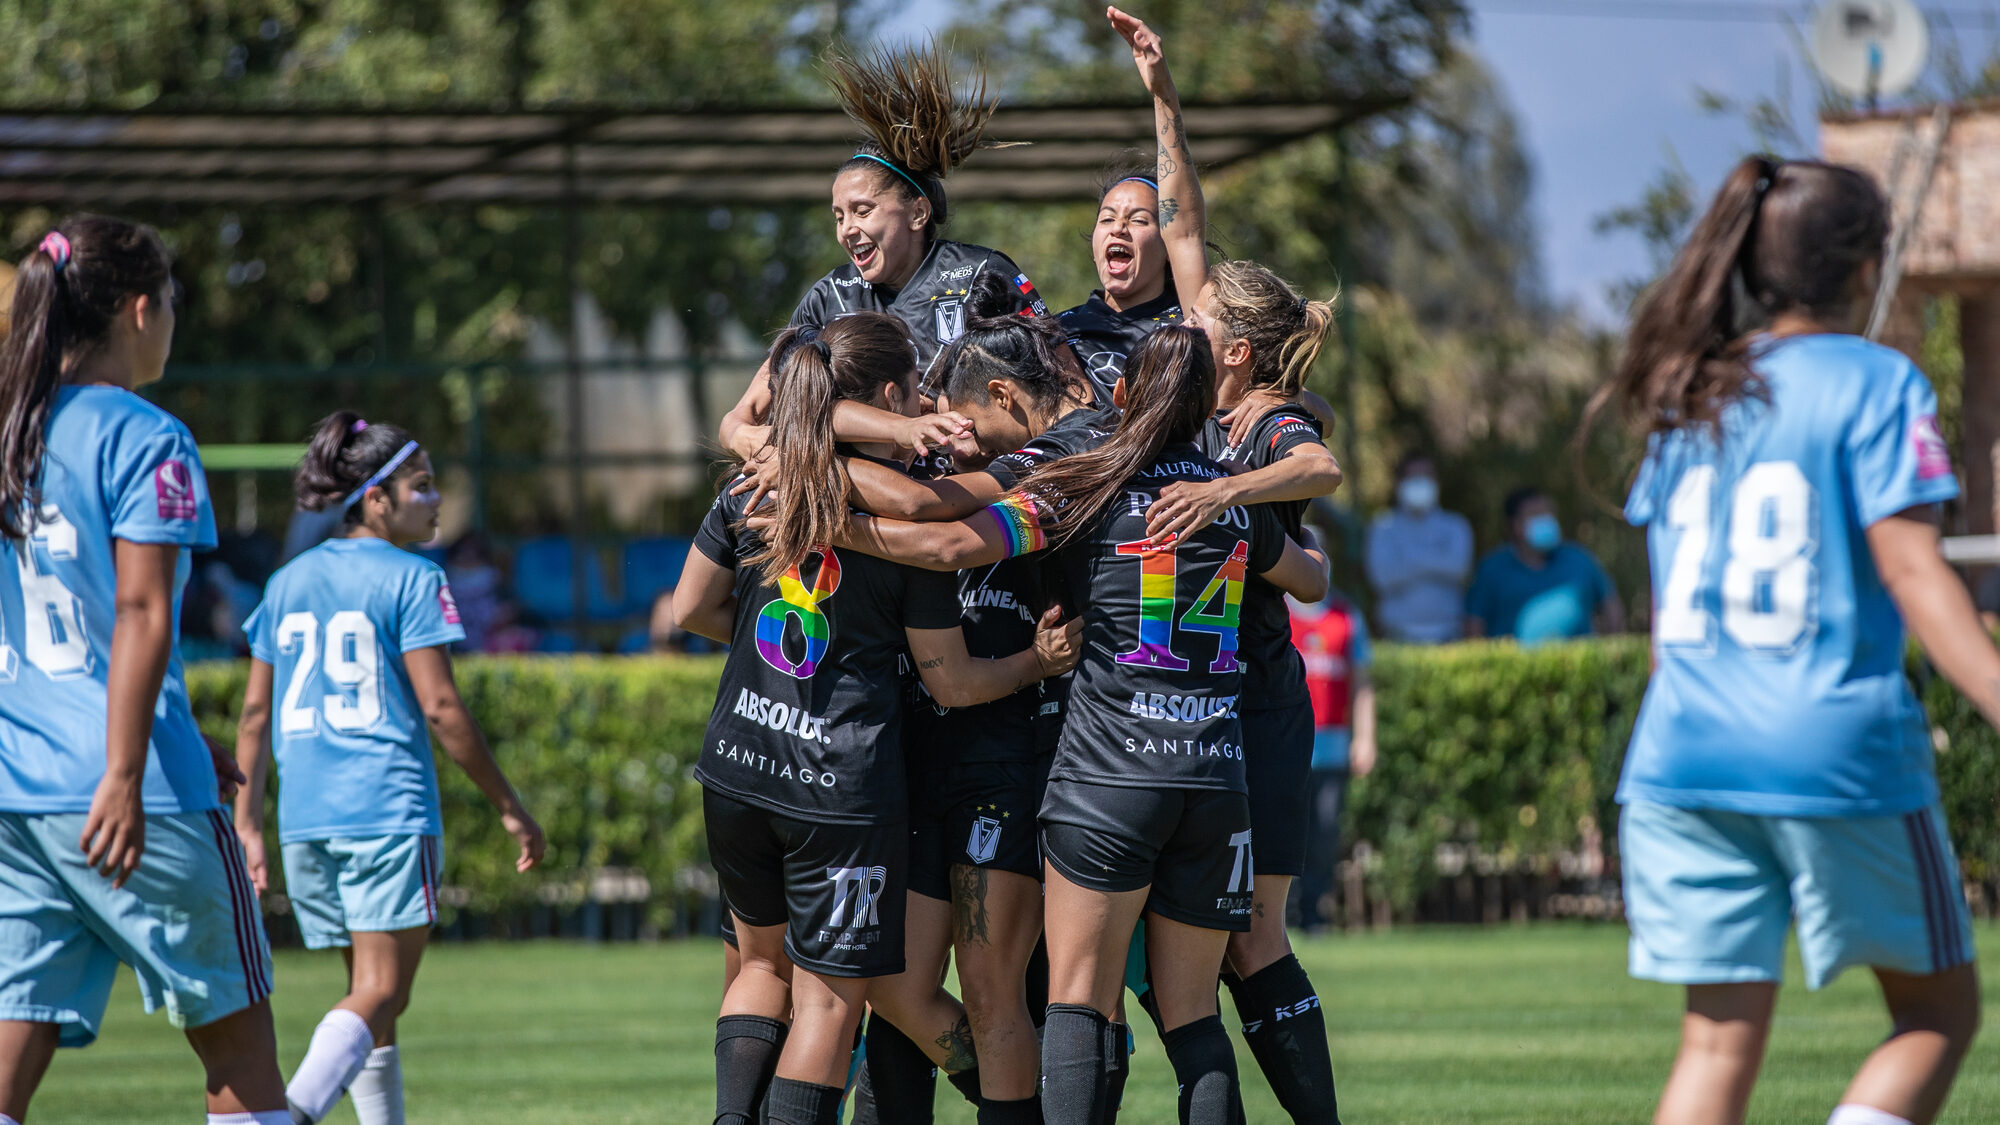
(1119, 262)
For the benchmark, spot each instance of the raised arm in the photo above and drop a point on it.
(1183, 215)
(253, 758)
(437, 694)
(705, 598)
(1935, 605)
(955, 678)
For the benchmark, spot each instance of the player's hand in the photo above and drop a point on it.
(523, 828)
(1147, 53)
(1058, 643)
(228, 776)
(1248, 413)
(1185, 507)
(749, 440)
(254, 857)
(759, 477)
(114, 834)
(926, 432)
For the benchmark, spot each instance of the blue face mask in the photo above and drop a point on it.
(1545, 533)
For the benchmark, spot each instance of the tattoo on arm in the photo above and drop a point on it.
(1169, 208)
(957, 1043)
(1167, 165)
(930, 663)
(1178, 135)
(969, 920)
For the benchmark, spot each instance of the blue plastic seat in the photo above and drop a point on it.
(543, 586)
(651, 566)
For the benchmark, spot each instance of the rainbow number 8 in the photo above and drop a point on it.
(795, 601)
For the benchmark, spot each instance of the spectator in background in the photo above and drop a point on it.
(478, 586)
(1538, 587)
(1418, 557)
(662, 634)
(1333, 639)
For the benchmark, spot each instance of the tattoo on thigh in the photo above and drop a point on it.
(969, 920)
(958, 1053)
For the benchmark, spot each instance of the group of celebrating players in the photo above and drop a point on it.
(1010, 681)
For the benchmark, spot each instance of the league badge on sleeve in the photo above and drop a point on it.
(1933, 456)
(447, 604)
(173, 488)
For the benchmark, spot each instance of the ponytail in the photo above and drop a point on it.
(918, 128)
(346, 456)
(1032, 352)
(1779, 236)
(1170, 393)
(817, 368)
(1284, 330)
(66, 295)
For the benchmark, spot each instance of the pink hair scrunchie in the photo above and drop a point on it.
(56, 245)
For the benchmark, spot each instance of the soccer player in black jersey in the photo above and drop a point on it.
(1145, 811)
(802, 766)
(888, 207)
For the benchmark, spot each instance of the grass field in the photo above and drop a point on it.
(1515, 1025)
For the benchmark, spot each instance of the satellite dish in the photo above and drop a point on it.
(1869, 47)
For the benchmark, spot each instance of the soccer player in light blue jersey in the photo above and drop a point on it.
(1780, 776)
(355, 631)
(113, 845)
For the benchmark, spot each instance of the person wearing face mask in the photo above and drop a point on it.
(1418, 557)
(1538, 586)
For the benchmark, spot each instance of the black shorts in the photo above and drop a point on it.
(1192, 846)
(981, 814)
(1277, 762)
(838, 889)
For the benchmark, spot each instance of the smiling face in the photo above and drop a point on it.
(879, 226)
(1131, 258)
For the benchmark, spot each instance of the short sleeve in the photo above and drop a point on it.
(930, 599)
(157, 491)
(429, 615)
(1267, 538)
(1360, 650)
(1009, 468)
(259, 630)
(1288, 433)
(716, 537)
(811, 311)
(1896, 458)
(1028, 302)
(1020, 521)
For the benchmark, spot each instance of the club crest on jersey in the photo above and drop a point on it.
(173, 490)
(984, 840)
(948, 311)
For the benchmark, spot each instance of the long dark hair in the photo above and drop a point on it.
(1169, 393)
(1780, 236)
(903, 99)
(818, 367)
(345, 452)
(61, 310)
(1285, 331)
(1030, 351)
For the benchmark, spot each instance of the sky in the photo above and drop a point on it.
(1604, 104)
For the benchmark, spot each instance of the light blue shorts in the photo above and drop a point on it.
(186, 921)
(365, 884)
(1710, 894)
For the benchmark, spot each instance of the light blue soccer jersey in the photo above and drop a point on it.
(1778, 686)
(353, 750)
(116, 467)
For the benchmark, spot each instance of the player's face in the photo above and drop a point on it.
(901, 397)
(413, 518)
(1202, 316)
(881, 229)
(1000, 424)
(1131, 259)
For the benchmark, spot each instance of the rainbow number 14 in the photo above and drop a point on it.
(1216, 610)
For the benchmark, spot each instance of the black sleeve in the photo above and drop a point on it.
(930, 599)
(1026, 298)
(1009, 468)
(1267, 538)
(1287, 431)
(812, 307)
(716, 537)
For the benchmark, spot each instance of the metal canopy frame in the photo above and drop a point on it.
(588, 155)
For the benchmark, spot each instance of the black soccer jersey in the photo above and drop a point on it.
(932, 303)
(808, 718)
(1274, 675)
(1154, 702)
(1102, 336)
(998, 606)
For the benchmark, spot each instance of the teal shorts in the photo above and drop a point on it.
(362, 884)
(1709, 895)
(186, 921)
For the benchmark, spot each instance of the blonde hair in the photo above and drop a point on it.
(1285, 331)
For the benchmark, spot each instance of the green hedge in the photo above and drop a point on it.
(1512, 752)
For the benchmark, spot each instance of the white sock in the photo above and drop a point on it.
(378, 1089)
(267, 1117)
(340, 1046)
(1864, 1115)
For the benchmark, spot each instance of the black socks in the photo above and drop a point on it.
(746, 1054)
(966, 1082)
(803, 1103)
(1286, 1032)
(900, 1076)
(1205, 1066)
(1027, 1111)
(1073, 1070)
(1117, 1065)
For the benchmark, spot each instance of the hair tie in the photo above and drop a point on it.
(890, 165)
(359, 425)
(56, 245)
(1138, 180)
(381, 474)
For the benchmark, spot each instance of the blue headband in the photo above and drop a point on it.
(381, 475)
(911, 180)
(1136, 179)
